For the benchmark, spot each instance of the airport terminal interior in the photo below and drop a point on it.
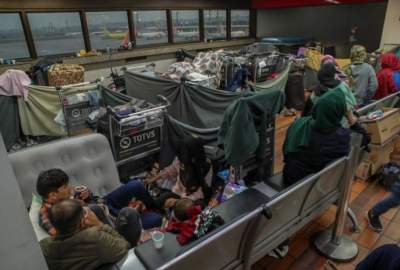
(200, 135)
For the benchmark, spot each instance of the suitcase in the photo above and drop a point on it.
(294, 91)
(65, 74)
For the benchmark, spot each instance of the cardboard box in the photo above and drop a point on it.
(379, 156)
(363, 171)
(385, 127)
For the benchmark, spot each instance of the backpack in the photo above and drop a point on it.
(389, 175)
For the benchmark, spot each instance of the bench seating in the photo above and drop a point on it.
(257, 220)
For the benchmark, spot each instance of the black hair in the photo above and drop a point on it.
(181, 207)
(192, 155)
(66, 215)
(50, 181)
(326, 75)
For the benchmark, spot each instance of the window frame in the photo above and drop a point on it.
(129, 9)
(58, 11)
(102, 10)
(20, 14)
(168, 42)
(199, 26)
(227, 26)
(250, 19)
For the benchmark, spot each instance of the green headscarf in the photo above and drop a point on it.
(326, 117)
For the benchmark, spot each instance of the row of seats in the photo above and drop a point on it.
(257, 220)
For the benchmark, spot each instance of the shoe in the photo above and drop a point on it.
(374, 221)
(279, 252)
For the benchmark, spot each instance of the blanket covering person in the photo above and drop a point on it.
(386, 76)
(243, 130)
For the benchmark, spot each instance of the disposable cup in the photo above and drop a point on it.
(158, 239)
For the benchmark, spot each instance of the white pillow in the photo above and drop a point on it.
(34, 217)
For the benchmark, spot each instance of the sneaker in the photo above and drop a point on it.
(374, 221)
(279, 252)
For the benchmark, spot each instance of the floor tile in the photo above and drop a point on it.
(303, 256)
(393, 231)
(345, 266)
(297, 247)
(368, 238)
(384, 240)
(362, 253)
(390, 214)
(359, 186)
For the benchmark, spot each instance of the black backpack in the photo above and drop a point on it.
(389, 175)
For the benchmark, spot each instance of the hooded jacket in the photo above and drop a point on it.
(386, 83)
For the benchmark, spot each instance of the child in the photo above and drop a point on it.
(183, 221)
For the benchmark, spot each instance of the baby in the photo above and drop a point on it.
(180, 209)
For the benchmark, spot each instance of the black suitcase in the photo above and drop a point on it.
(294, 91)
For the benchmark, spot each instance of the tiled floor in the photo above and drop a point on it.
(303, 256)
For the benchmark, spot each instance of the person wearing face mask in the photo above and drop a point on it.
(328, 80)
(189, 175)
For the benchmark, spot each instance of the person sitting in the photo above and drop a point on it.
(314, 141)
(81, 241)
(340, 75)
(189, 175)
(53, 186)
(328, 81)
(183, 221)
(386, 76)
(385, 257)
(389, 202)
(362, 77)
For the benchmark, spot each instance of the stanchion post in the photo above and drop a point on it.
(332, 243)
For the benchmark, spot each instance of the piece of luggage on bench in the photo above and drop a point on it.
(65, 74)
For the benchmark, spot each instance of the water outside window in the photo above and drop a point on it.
(12, 38)
(56, 33)
(185, 24)
(215, 24)
(240, 23)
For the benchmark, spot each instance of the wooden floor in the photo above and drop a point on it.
(303, 256)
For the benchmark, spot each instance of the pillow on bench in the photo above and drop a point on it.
(34, 217)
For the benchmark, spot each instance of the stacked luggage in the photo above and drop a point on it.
(65, 74)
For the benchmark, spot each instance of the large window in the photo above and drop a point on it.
(56, 33)
(215, 24)
(150, 27)
(185, 25)
(12, 39)
(240, 23)
(108, 29)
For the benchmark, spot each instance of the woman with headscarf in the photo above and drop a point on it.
(339, 73)
(362, 77)
(387, 76)
(327, 81)
(189, 175)
(314, 141)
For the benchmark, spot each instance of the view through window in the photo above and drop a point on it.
(56, 33)
(108, 29)
(240, 23)
(185, 24)
(150, 27)
(12, 38)
(215, 24)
